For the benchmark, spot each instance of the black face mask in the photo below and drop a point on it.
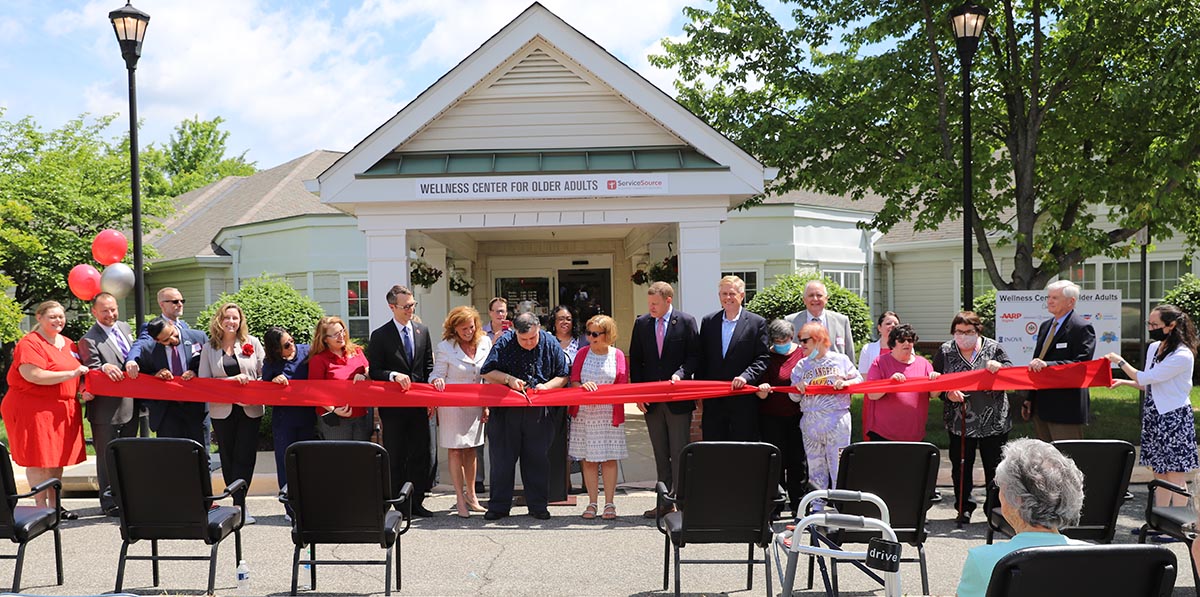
(1158, 335)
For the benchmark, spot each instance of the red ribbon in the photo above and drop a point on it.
(376, 393)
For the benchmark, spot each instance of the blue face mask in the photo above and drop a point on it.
(782, 348)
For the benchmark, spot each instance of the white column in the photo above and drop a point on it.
(699, 267)
(435, 302)
(387, 265)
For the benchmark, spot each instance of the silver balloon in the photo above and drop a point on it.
(117, 280)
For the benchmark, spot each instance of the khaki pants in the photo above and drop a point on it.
(1049, 432)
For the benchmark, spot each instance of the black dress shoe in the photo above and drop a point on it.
(480, 487)
(114, 512)
(494, 515)
(419, 510)
(68, 515)
(540, 514)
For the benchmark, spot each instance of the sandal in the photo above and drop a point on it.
(590, 512)
(610, 511)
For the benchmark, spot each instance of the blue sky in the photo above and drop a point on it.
(288, 77)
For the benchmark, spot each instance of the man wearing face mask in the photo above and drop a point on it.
(975, 420)
(1064, 338)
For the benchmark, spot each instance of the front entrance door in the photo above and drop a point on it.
(588, 292)
(583, 283)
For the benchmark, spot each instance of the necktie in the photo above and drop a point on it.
(408, 349)
(121, 343)
(176, 361)
(1049, 340)
(660, 330)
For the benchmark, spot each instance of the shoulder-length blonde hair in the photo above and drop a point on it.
(459, 316)
(215, 332)
(318, 342)
(606, 325)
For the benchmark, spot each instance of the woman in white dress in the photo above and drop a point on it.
(598, 430)
(463, 349)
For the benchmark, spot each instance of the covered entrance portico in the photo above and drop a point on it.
(546, 170)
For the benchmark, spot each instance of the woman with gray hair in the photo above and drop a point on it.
(1041, 491)
(778, 416)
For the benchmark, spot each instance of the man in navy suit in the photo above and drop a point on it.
(733, 347)
(665, 345)
(170, 303)
(401, 351)
(103, 348)
(1064, 338)
(176, 353)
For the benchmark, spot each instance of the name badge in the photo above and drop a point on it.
(841, 341)
(1061, 345)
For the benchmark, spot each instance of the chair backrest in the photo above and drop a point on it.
(903, 474)
(1099, 570)
(8, 491)
(338, 491)
(726, 492)
(1106, 465)
(161, 486)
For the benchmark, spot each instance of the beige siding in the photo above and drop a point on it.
(925, 298)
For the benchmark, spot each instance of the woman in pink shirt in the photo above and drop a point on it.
(898, 416)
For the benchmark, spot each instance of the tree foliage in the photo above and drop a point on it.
(786, 296)
(1084, 115)
(268, 302)
(1186, 296)
(193, 157)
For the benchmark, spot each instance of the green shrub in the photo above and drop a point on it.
(1186, 296)
(985, 308)
(269, 302)
(786, 296)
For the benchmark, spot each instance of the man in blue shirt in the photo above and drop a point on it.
(529, 359)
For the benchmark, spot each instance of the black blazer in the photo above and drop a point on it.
(680, 356)
(1074, 342)
(386, 355)
(747, 355)
(151, 361)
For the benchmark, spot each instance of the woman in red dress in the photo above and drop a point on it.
(40, 410)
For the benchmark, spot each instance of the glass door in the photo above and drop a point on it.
(530, 291)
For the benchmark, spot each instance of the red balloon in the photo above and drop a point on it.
(350, 294)
(109, 247)
(84, 281)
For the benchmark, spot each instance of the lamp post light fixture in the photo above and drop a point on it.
(129, 24)
(967, 23)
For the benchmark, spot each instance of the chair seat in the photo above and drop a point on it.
(1172, 519)
(222, 520)
(392, 523)
(31, 521)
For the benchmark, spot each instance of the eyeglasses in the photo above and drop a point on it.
(288, 345)
(594, 334)
(805, 340)
(1154, 326)
(409, 307)
(176, 301)
(966, 335)
(339, 334)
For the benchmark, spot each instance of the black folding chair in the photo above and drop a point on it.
(726, 492)
(164, 490)
(21, 524)
(904, 475)
(1174, 521)
(1106, 465)
(1093, 570)
(340, 493)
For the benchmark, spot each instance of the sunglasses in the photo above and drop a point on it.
(176, 301)
(805, 340)
(594, 334)
(341, 334)
(905, 341)
(288, 345)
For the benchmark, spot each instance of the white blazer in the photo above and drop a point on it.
(453, 365)
(210, 366)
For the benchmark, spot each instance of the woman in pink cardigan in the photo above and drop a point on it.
(598, 430)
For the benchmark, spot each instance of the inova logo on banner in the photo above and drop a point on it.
(1020, 312)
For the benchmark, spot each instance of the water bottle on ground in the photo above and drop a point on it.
(243, 578)
(305, 581)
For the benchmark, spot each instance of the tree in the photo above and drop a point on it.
(193, 157)
(58, 189)
(268, 302)
(1085, 115)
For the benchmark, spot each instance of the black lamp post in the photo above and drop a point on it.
(129, 24)
(967, 23)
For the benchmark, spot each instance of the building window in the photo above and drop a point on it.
(1126, 276)
(1082, 274)
(849, 279)
(751, 280)
(981, 283)
(358, 312)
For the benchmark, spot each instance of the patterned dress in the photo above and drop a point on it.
(1168, 439)
(825, 421)
(593, 436)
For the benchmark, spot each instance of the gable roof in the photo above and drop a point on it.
(870, 203)
(538, 24)
(271, 194)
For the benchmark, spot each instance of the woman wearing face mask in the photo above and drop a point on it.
(778, 416)
(1168, 431)
(975, 420)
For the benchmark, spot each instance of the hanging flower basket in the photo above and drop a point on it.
(424, 275)
(640, 277)
(667, 271)
(460, 285)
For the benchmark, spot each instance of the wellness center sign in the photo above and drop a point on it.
(541, 187)
(1020, 312)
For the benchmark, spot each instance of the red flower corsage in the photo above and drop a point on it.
(247, 349)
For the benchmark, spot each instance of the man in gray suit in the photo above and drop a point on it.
(838, 325)
(104, 348)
